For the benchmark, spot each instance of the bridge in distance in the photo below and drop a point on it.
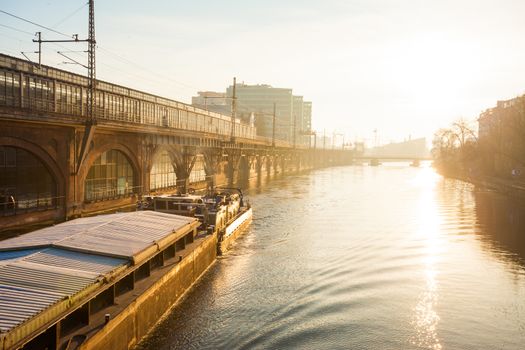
(409, 150)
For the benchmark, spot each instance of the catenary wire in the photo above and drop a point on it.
(117, 56)
(69, 16)
(36, 24)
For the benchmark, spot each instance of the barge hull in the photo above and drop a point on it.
(140, 316)
(241, 224)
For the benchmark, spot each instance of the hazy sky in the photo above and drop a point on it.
(403, 67)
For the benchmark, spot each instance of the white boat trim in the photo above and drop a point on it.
(247, 215)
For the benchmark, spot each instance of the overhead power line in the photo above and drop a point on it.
(16, 29)
(69, 16)
(118, 57)
(125, 60)
(35, 24)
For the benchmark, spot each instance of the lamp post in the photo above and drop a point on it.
(273, 125)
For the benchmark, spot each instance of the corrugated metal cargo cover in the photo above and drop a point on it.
(39, 278)
(41, 268)
(122, 235)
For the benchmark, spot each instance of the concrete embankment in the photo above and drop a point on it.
(515, 188)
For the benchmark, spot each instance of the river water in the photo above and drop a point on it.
(389, 257)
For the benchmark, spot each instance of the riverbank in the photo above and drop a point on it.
(510, 187)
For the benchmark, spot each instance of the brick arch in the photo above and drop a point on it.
(40, 153)
(174, 153)
(96, 152)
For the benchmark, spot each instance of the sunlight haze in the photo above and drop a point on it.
(403, 67)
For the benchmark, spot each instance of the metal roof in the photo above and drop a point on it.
(41, 268)
(18, 304)
(33, 282)
(118, 235)
(60, 258)
(15, 254)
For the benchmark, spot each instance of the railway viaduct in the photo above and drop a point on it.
(54, 166)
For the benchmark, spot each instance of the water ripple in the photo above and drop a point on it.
(363, 258)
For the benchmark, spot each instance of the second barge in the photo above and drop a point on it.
(224, 213)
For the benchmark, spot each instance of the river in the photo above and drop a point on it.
(359, 257)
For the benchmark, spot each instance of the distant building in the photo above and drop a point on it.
(324, 141)
(501, 132)
(259, 99)
(213, 101)
(307, 122)
(255, 107)
(416, 148)
(298, 114)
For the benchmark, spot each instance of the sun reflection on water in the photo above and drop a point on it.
(425, 317)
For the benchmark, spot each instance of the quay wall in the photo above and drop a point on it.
(127, 328)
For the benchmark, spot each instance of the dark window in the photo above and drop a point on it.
(9, 88)
(25, 183)
(160, 205)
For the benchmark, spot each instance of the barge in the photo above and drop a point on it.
(223, 213)
(103, 282)
(100, 282)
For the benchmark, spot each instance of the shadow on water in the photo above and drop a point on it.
(502, 221)
(497, 220)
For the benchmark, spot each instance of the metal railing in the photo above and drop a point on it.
(110, 193)
(26, 203)
(43, 92)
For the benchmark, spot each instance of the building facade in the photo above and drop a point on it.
(255, 104)
(307, 123)
(213, 101)
(259, 99)
(501, 131)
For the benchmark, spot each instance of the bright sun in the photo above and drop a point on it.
(432, 69)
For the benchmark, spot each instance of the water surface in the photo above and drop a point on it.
(388, 257)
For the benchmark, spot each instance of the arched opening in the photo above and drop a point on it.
(162, 175)
(197, 172)
(25, 183)
(110, 176)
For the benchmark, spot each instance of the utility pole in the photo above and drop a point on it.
(273, 125)
(39, 49)
(315, 140)
(39, 52)
(91, 64)
(234, 109)
(91, 120)
(324, 138)
(343, 146)
(294, 134)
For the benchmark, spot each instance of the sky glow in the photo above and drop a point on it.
(403, 67)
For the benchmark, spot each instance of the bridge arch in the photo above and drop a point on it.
(198, 170)
(110, 171)
(30, 179)
(162, 169)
